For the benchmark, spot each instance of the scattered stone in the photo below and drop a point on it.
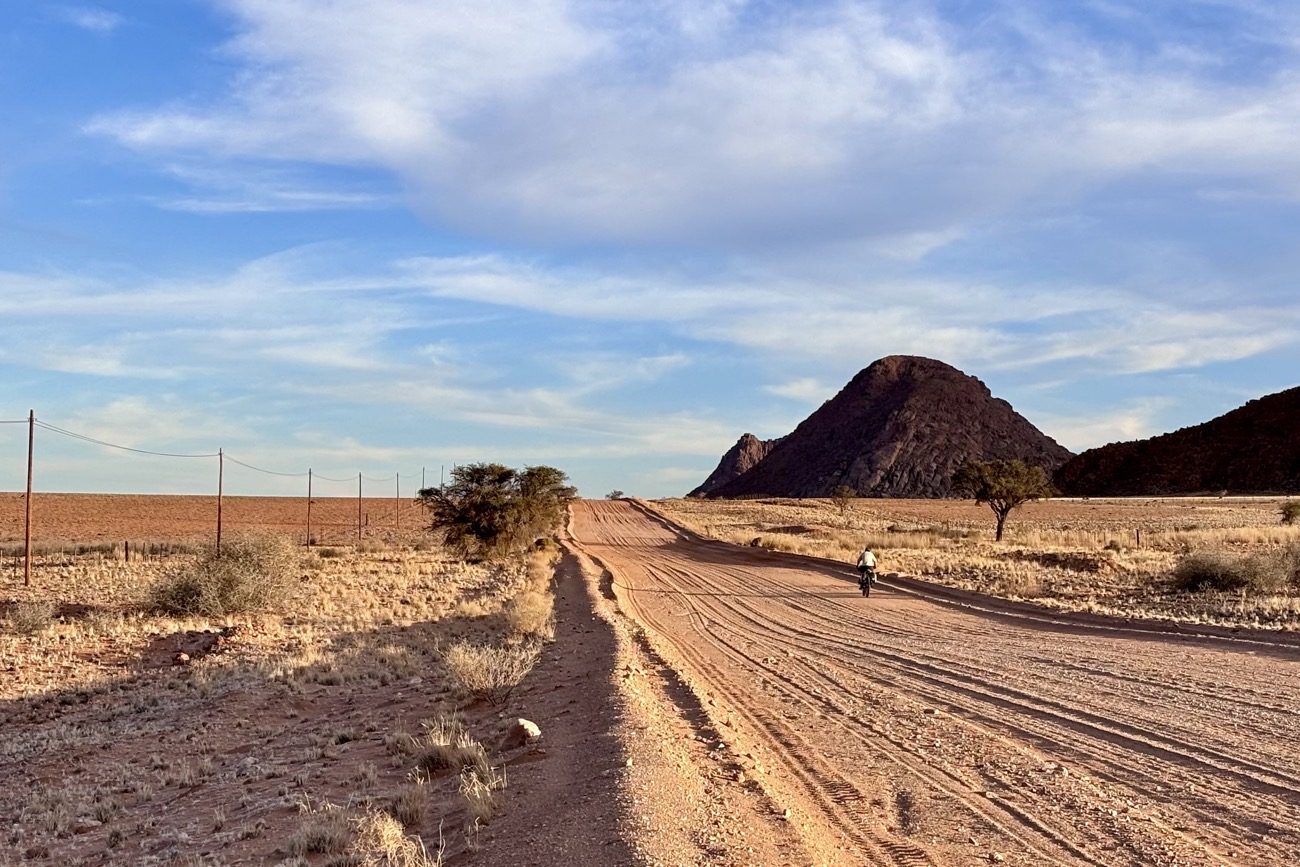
(521, 733)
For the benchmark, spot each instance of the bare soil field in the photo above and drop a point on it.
(910, 729)
(1101, 556)
(68, 519)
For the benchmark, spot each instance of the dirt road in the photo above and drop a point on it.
(902, 730)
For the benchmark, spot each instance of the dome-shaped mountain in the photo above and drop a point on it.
(1255, 449)
(900, 428)
(739, 459)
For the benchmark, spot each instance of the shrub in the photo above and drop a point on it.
(1290, 512)
(29, 618)
(490, 510)
(324, 830)
(490, 673)
(246, 575)
(1204, 571)
(531, 614)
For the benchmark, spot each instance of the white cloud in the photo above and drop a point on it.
(90, 18)
(806, 390)
(646, 122)
(1136, 420)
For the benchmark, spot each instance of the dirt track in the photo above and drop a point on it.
(902, 730)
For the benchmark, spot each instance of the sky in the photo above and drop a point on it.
(390, 237)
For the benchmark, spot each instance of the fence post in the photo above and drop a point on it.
(221, 483)
(309, 507)
(27, 522)
(358, 511)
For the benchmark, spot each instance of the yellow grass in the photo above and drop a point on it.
(377, 620)
(1111, 556)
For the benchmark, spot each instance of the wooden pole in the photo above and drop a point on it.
(309, 507)
(358, 510)
(221, 484)
(399, 500)
(27, 525)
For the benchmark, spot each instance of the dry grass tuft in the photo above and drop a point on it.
(29, 618)
(488, 672)
(479, 784)
(324, 831)
(410, 804)
(446, 745)
(531, 614)
(247, 575)
(381, 841)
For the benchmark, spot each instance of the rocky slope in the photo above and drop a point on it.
(900, 428)
(739, 459)
(1255, 449)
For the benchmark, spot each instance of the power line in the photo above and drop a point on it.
(16, 421)
(328, 479)
(268, 472)
(99, 442)
(369, 479)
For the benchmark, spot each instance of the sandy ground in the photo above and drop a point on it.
(903, 730)
(80, 518)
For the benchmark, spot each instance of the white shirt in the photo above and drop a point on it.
(866, 558)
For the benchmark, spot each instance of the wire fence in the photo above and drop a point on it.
(310, 522)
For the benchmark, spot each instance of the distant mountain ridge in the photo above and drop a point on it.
(1254, 449)
(900, 428)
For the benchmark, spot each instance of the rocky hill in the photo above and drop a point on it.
(1255, 449)
(900, 428)
(740, 458)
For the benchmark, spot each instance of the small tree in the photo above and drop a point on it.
(492, 510)
(1003, 485)
(615, 494)
(843, 497)
(1290, 512)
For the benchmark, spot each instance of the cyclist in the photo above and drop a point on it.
(866, 570)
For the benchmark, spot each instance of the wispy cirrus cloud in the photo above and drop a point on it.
(93, 18)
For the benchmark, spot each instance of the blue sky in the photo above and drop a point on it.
(613, 236)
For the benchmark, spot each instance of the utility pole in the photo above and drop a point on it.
(309, 507)
(221, 482)
(399, 500)
(358, 511)
(27, 531)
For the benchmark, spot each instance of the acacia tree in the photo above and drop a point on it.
(491, 510)
(1003, 485)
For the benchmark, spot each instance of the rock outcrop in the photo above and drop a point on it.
(1255, 449)
(900, 428)
(739, 459)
